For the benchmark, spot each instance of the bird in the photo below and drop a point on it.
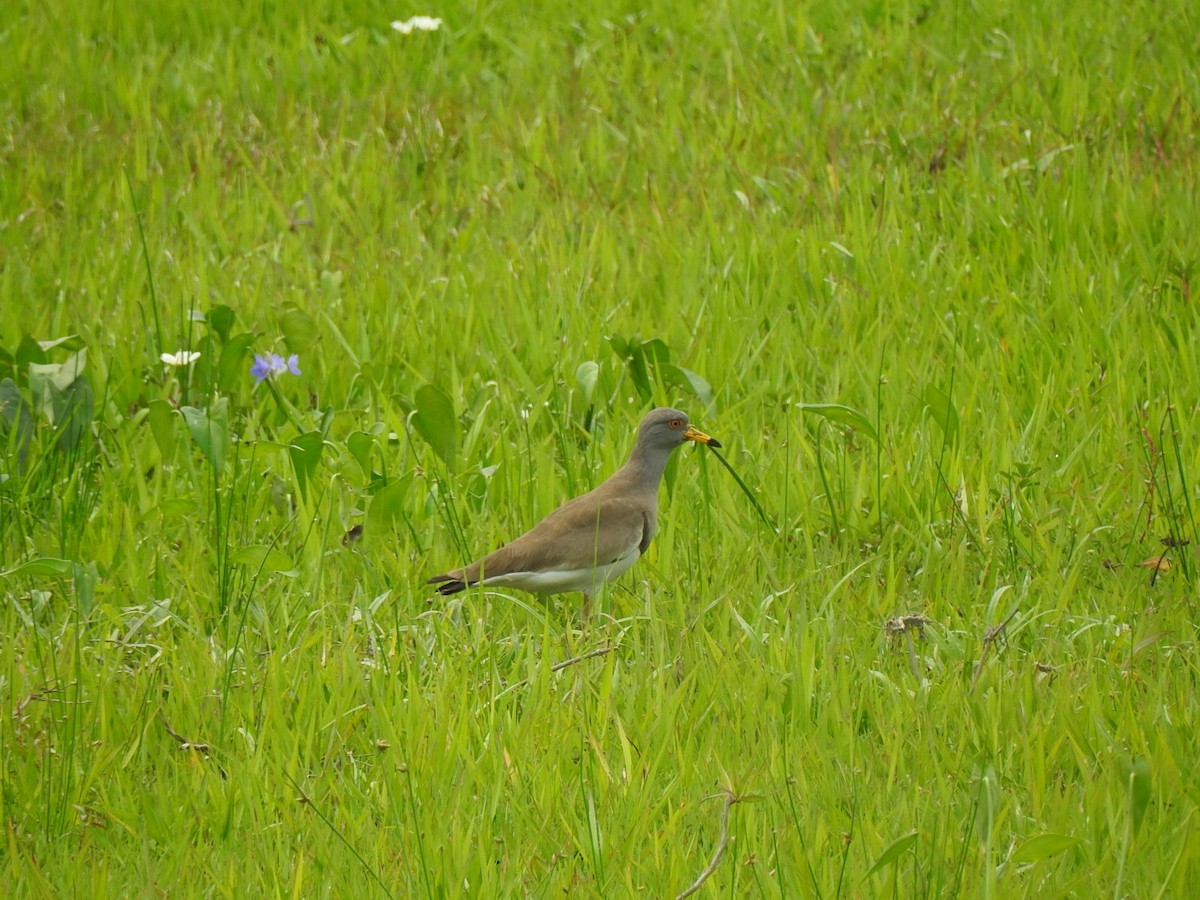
(594, 538)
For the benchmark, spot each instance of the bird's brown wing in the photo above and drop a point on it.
(577, 535)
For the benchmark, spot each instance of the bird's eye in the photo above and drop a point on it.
(676, 423)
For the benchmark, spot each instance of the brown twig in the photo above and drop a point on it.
(990, 637)
(557, 667)
(599, 651)
(722, 842)
(185, 744)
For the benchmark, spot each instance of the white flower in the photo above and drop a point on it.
(417, 23)
(182, 358)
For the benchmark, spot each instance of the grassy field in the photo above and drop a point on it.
(924, 269)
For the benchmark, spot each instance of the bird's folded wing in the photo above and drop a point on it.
(574, 536)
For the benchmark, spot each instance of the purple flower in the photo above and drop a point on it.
(267, 365)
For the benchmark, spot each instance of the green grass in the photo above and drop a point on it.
(493, 248)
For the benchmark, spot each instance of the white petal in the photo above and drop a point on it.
(182, 358)
(417, 23)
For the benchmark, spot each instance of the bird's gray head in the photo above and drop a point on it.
(667, 428)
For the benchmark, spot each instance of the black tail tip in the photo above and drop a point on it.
(447, 585)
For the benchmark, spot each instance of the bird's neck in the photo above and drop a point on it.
(643, 470)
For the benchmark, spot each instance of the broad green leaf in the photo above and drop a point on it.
(361, 445)
(281, 495)
(43, 567)
(197, 423)
(435, 421)
(619, 345)
(70, 369)
(1041, 846)
(587, 375)
(641, 359)
(478, 485)
(86, 579)
(48, 381)
(387, 506)
(16, 421)
(989, 803)
(29, 351)
(1140, 789)
(305, 451)
(260, 557)
(656, 351)
(626, 350)
(70, 342)
(162, 418)
(892, 852)
(639, 375)
(197, 378)
(218, 421)
(299, 329)
(11, 401)
(331, 285)
(689, 380)
(176, 506)
(220, 320)
(231, 367)
(644, 364)
(942, 409)
(74, 408)
(843, 415)
(210, 430)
